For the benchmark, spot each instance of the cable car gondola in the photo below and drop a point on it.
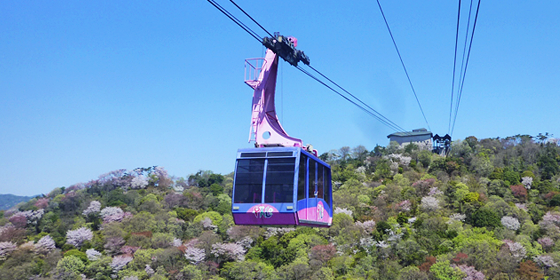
(280, 182)
(281, 186)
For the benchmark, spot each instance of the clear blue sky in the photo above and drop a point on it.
(87, 87)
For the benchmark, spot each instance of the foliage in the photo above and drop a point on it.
(485, 217)
(488, 210)
(79, 236)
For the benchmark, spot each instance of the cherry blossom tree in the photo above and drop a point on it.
(94, 207)
(546, 242)
(368, 226)
(545, 261)
(79, 236)
(45, 245)
(112, 214)
(139, 182)
(228, 251)
(517, 250)
(42, 203)
(527, 182)
(93, 254)
(120, 261)
(6, 248)
(429, 204)
(338, 210)
(510, 222)
(471, 272)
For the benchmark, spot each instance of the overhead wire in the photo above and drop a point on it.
(462, 82)
(241, 9)
(237, 21)
(379, 118)
(454, 67)
(380, 115)
(370, 111)
(402, 63)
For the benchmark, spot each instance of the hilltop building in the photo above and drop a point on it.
(421, 137)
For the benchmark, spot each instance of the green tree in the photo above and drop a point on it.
(485, 217)
(443, 270)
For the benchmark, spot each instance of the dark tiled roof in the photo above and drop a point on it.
(415, 132)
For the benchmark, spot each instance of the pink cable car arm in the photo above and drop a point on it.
(266, 130)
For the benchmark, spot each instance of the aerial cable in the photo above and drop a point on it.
(387, 120)
(375, 114)
(457, 101)
(269, 34)
(237, 21)
(380, 118)
(454, 66)
(466, 65)
(403, 65)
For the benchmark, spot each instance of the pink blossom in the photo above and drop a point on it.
(160, 172)
(6, 248)
(546, 242)
(129, 250)
(177, 242)
(139, 182)
(510, 222)
(398, 158)
(207, 224)
(338, 210)
(429, 203)
(228, 251)
(79, 236)
(246, 242)
(119, 262)
(149, 270)
(195, 255)
(434, 191)
(45, 245)
(527, 182)
(471, 272)
(94, 207)
(404, 205)
(112, 177)
(552, 217)
(545, 260)
(92, 254)
(42, 203)
(368, 226)
(517, 250)
(23, 218)
(112, 214)
(18, 220)
(521, 206)
(458, 217)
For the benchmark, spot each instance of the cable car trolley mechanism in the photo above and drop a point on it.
(280, 182)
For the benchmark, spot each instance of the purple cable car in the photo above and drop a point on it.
(281, 186)
(280, 182)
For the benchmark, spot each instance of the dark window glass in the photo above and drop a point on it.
(301, 177)
(328, 187)
(253, 154)
(320, 176)
(248, 181)
(280, 154)
(312, 178)
(279, 185)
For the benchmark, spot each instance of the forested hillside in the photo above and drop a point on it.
(8, 201)
(489, 210)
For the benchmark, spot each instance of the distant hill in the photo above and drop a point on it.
(7, 201)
